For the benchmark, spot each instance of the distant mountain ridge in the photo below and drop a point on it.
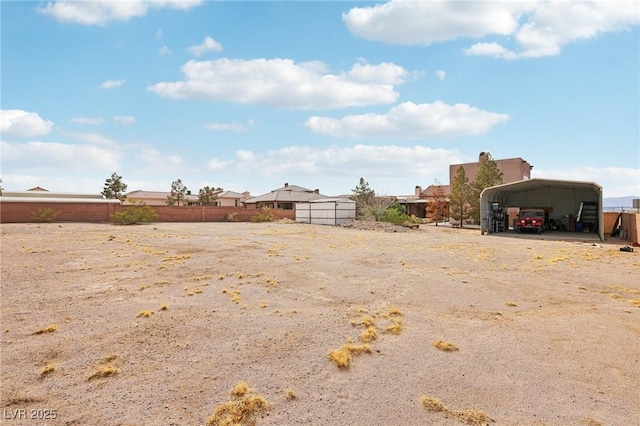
(619, 201)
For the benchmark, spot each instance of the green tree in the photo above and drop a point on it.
(178, 193)
(1, 188)
(459, 197)
(488, 175)
(364, 196)
(207, 196)
(114, 188)
(437, 203)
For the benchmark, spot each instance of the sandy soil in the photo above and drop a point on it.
(548, 332)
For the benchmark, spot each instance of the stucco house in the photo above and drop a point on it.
(232, 199)
(155, 198)
(284, 198)
(513, 169)
(418, 203)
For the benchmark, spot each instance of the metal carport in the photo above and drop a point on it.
(561, 197)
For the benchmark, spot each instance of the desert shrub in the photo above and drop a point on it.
(134, 214)
(230, 217)
(397, 214)
(265, 215)
(44, 215)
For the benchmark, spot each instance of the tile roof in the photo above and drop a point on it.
(288, 193)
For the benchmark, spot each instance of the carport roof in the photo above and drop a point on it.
(536, 183)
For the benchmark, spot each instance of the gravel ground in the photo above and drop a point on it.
(156, 324)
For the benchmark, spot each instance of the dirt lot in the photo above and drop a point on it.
(547, 332)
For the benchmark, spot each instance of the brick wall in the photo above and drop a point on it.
(19, 212)
(67, 212)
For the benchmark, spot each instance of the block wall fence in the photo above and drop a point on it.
(17, 212)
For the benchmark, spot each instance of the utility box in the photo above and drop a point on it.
(326, 211)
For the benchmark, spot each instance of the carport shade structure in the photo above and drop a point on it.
(560, 197)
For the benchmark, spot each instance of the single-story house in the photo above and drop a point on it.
(156, 198)
(284, 198)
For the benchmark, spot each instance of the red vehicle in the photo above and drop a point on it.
(530, 220)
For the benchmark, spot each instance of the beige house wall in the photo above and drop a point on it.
(513, 169)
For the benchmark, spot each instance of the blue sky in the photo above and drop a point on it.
(250, 95)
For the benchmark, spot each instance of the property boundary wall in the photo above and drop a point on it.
(629, 225)
(22, 212)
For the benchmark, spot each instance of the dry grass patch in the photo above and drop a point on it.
(364, 320)
(470, 417)
(242, 409)
(512, 304)
(47, 369)
(394, 311)
(234, 295)
(588, 421)
(49, 329)
(394, 328)
(445, 346)
(291, 394)
(105, 368)
(342, 356)
(368, 335)
(144, 314)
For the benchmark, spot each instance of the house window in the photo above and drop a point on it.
(236, 202)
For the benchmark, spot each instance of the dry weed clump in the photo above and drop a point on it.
(47, 369)
(243, 408)
(368, 335)
(512, 304)
(50, 329)
(105, 368)
(144, 314)
(342, 356)
(291, 394)
(233, 294)
(470, 417)
(445, 346)
(588, 421)
(364, 320)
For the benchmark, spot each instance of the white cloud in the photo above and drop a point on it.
(208, 45)
(104, 12)
(159, 34)
(125, 120)
(232, 127)
(153, 157)
(426, 22)
(441, 74)
(537, 28)
(59, 182)
(615, 181)
(359, 160)
(56, 156)
(164, 50)
(19, 123)
(111, 84)
(93, 138)
(283, 83)
(490, 49)
(384, 73)
(411, 121)
(86, 120)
